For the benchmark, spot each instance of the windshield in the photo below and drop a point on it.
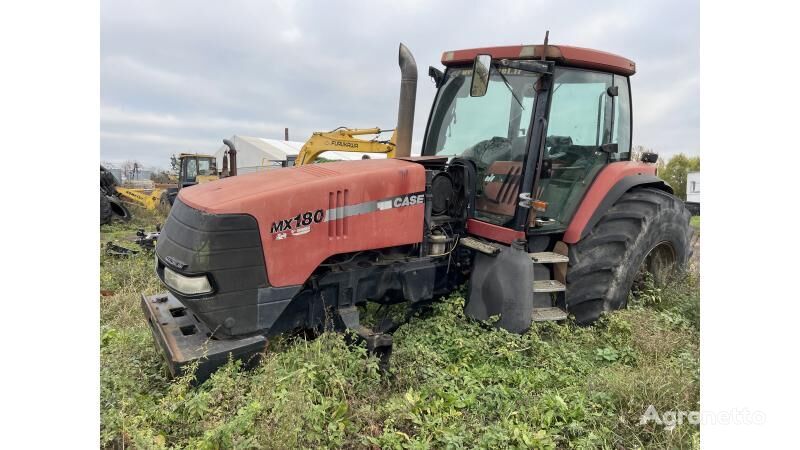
(491, 130)
(459, 121)
(206, 167)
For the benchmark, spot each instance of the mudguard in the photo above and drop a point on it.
(502, 285)
(609, 185)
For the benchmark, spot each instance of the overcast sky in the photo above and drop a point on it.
(179, 76)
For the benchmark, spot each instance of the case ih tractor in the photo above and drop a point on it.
(525, 190)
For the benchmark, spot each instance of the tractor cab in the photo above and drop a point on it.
(196, 169)
(538, 122)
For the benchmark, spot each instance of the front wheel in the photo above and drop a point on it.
(646, 230)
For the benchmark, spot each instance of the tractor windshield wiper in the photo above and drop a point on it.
(508, 85)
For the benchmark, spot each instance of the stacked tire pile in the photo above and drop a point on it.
(111, 208)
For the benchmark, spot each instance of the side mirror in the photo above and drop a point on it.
(480, 75)
(437, 76)
(648, 157)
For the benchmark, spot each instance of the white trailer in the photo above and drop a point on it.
(693, 192)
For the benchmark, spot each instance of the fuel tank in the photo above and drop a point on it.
(306, 214)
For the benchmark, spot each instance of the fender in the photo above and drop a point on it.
(609, 185)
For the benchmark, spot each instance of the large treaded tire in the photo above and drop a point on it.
(604, 264)
(105, 209)
(118, 209)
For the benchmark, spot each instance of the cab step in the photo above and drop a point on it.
(548, 258)
(548, 286)
(548, 314)
(478, 245)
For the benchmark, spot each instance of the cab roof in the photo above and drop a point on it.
(566, 55)
(198, 155)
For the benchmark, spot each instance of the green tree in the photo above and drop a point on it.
(675, 170)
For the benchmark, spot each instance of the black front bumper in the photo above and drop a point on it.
(184, 339)
(227, 250)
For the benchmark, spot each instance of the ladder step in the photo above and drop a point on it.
(548, 258)
(548, 314)
(548, 286)
(481, 246)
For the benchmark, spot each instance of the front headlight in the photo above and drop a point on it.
(186, 285)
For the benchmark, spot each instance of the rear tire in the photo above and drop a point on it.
(118, 210)
(105, 209)
(646, 229)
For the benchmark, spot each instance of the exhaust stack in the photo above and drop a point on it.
(232, 153)
(408, 98)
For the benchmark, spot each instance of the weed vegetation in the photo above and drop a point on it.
(454, 382)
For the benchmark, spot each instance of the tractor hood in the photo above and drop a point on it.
(309, 213)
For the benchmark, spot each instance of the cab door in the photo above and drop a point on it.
(188, 171)
(588, 127)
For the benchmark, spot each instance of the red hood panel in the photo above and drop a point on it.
(307, 214)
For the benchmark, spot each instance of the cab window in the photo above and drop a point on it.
(622, 119)
(191, 170)
(489, 130)
(205, 167)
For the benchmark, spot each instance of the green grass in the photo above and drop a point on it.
(695, 222)
(454, 383)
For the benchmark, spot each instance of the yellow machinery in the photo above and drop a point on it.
(344, 140)
(198, 168)
(194, 169)
(141, 197)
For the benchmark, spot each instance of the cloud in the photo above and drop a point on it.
(113, 117)
(185, 74)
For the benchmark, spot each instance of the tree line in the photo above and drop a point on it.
(673, 170)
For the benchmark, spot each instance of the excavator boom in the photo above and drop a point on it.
(344, 140)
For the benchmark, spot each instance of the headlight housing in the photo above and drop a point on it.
(187, 285)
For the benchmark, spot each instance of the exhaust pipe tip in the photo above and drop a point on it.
(408, 98)
(408, 65)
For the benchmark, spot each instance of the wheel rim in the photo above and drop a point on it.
(660, 263)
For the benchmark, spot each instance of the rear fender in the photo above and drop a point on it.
(613, 181)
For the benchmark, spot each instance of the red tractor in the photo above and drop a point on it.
(525, 190)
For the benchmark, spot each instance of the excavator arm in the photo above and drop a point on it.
(344, 140)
